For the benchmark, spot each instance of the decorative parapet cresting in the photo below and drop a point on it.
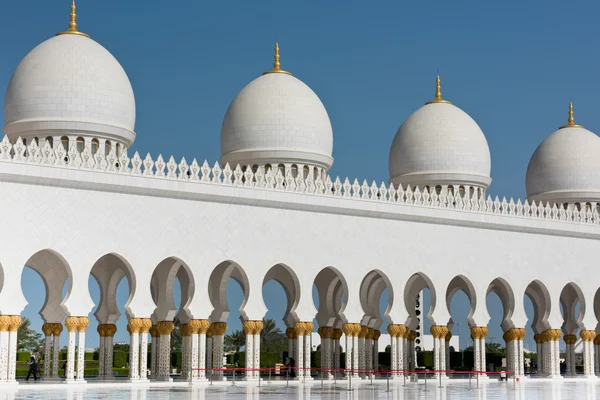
(311, 184)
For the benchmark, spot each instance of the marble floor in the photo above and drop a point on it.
(455, 389)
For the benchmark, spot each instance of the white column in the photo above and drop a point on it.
(47, 353)
(219, 329)
(4, 346)
(355, 356)
(393, 351)
(447, 351)
(326, 358)
(248, 327)
(164, 357)
(195, 354)
(376, 350)
(144, 349)
(336, 351)
(256, 354)
(291, 337)
(597, 355)
(540, 353)
(307, 352)
(202, 353)
(186, 352)
(400, 350)
(361, 351)
(134, 348)
(56, 349)
(108, 350)
(81, 353)
(300, 354)
(209, 353)
(101, 354)
(72, 324)
(588, 336)
(520, 358)
(154, 349)
(436, 354)
(369, 354)
(12, 348)
(443, 350)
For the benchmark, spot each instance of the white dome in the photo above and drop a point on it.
(276, 118)
(70, 84)
(565, 168)
(439, 144)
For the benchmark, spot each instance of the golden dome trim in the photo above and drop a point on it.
(571, 122)
(73, 24)
(276, 64)
(438, 94)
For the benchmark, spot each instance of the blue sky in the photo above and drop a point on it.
(511, 65)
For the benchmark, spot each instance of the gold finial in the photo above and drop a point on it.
(276, 64)
(571, 122)
(73, 24)
(438, 93)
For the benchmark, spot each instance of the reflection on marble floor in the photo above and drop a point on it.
(529, 391)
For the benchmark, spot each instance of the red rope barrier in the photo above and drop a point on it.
(360, 371)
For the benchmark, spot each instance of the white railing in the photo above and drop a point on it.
(245, 177)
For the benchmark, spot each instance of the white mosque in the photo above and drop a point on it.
(78, 200)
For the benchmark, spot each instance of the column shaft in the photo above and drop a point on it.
(144, 352)
(48, 355)
(202, 342)
(56, 353)
(134, 351)
(80, 355)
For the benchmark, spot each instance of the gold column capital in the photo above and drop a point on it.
(134, 326)
(586, 335)
(165, 327)
(198, 326)
(219, 328)
(184, 329)
(48, 329)
(376, 334)
(479, 332)
(363, 331)
(290, 333)
(439, 331)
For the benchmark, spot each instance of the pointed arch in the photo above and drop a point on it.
(288, 280)
(371, 290)
(462, 283)
(108, 271)
(217, 289)
(505, 293)
(540, 297)
(331, 288)
(55, 271)
(162, 286)
(570, 296)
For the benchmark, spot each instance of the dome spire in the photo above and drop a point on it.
(571, 122)
(438, 93)
(276, 64)
(73, 24)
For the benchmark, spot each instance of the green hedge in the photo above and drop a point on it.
(120, 359)
(425, 359)
(315, 359)
(269, 359)
(89, 356)
(23, 356)
(176, 360)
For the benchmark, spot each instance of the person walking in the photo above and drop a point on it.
(33, 369)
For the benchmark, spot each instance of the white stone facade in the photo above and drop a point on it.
(79, 207)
